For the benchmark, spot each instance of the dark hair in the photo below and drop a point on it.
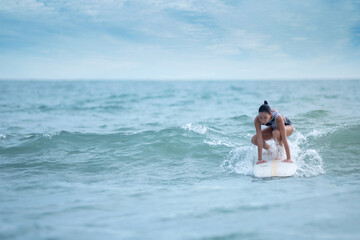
(265, 108)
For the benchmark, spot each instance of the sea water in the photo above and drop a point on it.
(173, 160)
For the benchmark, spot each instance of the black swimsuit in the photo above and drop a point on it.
(272, 121)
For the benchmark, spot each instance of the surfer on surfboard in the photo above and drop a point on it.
(279, 128)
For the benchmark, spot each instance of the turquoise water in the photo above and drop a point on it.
(173, 160)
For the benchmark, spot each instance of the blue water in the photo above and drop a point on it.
(173, 160)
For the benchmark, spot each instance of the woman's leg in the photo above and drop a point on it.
(277, 136)
(266, 135)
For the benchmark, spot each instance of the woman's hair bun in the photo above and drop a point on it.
(265, 108)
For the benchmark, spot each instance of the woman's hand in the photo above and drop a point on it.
(288, 160)
(260, 161)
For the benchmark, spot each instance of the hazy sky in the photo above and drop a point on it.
(184, 39)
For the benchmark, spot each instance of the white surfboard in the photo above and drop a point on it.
(274, 168)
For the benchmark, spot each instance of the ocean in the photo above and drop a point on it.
(173, 160)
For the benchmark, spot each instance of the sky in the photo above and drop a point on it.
(183, 39)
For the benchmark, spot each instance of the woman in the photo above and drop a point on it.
(279, 128)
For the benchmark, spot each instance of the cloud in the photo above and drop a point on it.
(300, 38)
(22, 6)
(189, 37)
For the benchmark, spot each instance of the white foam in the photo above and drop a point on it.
(212, 135)
(308, 160)
(198, 128)
(309, 164)
(240, 160)
(219, 142)
(49, 135)
(2, 136)
(315, 133)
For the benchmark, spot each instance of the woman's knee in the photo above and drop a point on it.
(253, 140)
(276, 134)
(289, 130)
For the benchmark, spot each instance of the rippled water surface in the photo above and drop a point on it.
(173, 160)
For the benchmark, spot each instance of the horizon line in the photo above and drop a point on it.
(181, 79)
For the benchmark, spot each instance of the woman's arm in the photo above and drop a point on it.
(281, 124)
(259, 139)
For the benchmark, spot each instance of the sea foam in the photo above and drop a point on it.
(241, 159)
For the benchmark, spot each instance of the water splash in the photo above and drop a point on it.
(241, 159)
